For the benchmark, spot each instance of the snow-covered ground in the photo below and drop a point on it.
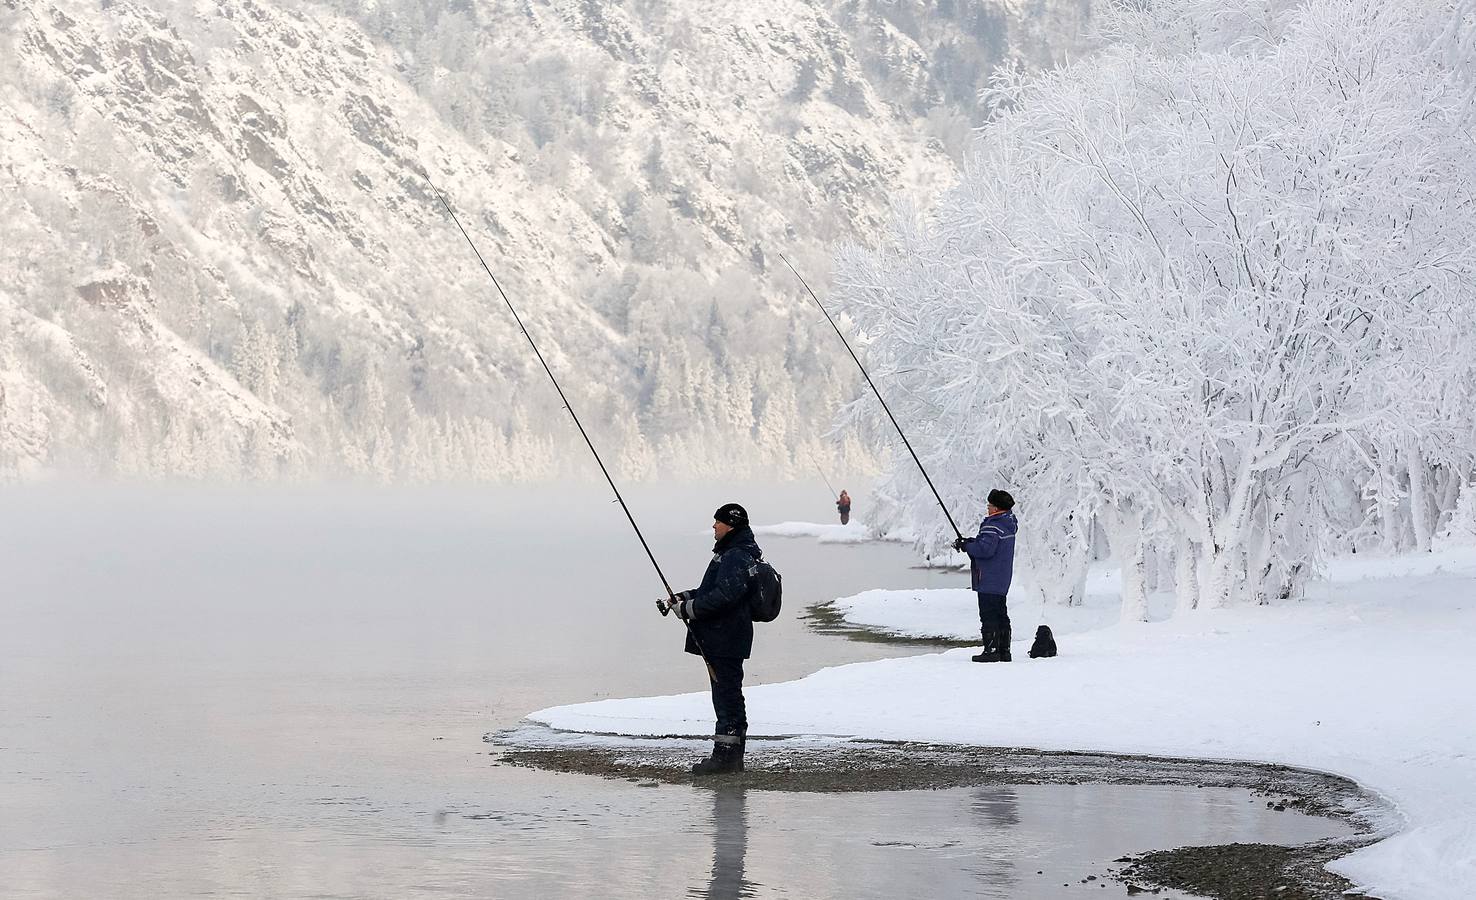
(953, 613)
(854, 532)
(1370, 677)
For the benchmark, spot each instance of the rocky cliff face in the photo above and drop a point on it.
(222, 256)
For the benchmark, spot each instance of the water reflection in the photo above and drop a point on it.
(729, 848)
(998, 806)
(123, 778)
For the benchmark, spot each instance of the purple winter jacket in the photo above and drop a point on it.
(992, 554)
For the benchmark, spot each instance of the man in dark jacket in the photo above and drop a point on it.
(992, 557)
(720, 628)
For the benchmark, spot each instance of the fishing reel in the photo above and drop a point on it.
(667, 605)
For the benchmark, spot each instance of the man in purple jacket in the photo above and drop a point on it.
(992, 557)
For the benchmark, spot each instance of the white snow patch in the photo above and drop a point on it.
(1369, 678)
(953, 614)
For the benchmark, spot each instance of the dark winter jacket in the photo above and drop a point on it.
(718, 607)
(992, 553)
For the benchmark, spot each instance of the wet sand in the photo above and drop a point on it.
(1230, 872)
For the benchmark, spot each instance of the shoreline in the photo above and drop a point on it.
(1224, 872)
(1267, 685)
(824, 618)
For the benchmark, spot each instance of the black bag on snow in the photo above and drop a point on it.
(767, 593)
(1045, 643)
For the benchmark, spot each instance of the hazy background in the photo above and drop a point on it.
(222, 260)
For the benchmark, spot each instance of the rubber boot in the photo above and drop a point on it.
(727, 756)
(990, 651)
(1004, 646)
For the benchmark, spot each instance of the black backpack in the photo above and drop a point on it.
(767, 592)
(1045, 643)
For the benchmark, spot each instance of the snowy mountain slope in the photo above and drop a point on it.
(215, 212)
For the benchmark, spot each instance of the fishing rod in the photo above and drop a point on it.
(821, 472)
(670, 594)
(879, 399)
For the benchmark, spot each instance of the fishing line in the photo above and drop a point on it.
(671, 595)
(887, 409)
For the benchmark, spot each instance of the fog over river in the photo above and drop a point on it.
(276, 693)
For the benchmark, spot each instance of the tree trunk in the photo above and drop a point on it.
(1419, 499)
(1226, 550)
(1126, 537)
(1260, 555)
(1186, 581)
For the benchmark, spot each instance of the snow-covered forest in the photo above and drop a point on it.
(1203, 298)
(219, 259)
(1205, 301)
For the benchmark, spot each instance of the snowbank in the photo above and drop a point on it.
(853, 533)
(1370, 678)
(953, 613)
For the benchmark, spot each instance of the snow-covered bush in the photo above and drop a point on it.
(1461, 529)
(1221, 302)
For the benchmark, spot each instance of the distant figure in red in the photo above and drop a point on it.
(843, 506)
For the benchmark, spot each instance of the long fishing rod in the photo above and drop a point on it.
(879, 399)
(670, 594)
(821, 472)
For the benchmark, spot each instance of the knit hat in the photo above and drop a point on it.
(732, 515)
(1001, 499)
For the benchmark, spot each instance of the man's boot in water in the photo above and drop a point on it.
(727, 756)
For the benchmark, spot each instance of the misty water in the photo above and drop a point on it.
(284, 694)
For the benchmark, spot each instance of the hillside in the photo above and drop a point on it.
(221, 258)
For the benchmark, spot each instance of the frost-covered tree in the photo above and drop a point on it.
(1195, 296)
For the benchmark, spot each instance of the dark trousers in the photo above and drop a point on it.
(727, 696)
(845, 514)
(994, 622)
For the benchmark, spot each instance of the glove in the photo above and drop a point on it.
(959, 544)
(681, 605)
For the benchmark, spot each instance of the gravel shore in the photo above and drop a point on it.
(1231, 872)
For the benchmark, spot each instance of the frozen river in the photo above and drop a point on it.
(276, 694)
